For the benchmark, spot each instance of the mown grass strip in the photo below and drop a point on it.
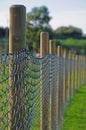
(75, 113)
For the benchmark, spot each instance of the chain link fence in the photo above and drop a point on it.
(30, 86)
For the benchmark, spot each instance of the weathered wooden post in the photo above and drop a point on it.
(44, 49)
(72, 73)
(73, 58)
(17, 28)
(76, 76)
(81, 70)
(16, 43)
(69, 76)
(53, 99)
(84, 69)
(65, 83)
(80, 76)
(52, 47)
(78, 71)
(60, 85)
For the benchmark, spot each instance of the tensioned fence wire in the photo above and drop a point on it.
(21, 78)
(24, 80)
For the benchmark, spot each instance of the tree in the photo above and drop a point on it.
(37, 21)
(39, 17)
(66, 32)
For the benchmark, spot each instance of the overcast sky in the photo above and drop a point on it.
(63, 12)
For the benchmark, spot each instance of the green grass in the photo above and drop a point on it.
(75, 113)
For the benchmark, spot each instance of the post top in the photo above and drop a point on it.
(44, 33)
(17, 6)
(52, 41)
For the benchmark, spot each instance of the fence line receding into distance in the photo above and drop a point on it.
(35, 91)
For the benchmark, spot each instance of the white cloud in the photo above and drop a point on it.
(4, 19)
(75, 18)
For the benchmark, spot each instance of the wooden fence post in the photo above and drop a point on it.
(78, 71)
(16, 43)
(69, 75)
(17, 28)
(73, 57)
(81, 70)
(65, 83)
(84, 69)
(76, 76)
(53, 95)
(51, 47)
(44, 44)
(72, 75)
(60, 86)
(44, 49)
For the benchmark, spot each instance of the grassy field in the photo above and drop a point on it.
(75, 113)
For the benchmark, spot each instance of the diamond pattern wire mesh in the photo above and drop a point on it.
(24, 80)
(4, 65)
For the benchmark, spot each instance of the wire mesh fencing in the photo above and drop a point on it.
(32, 90)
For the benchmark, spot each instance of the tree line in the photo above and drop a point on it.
(38, 20)
(4, 32)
